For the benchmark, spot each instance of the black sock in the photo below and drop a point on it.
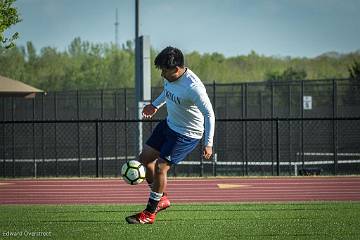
(152, 205)
(153, 201)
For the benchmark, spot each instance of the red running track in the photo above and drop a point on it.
(112, 191)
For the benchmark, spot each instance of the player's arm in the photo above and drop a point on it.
(150, 109)
(202, 101)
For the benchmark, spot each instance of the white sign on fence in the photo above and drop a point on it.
(307, 102)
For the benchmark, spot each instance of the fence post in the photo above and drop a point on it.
(201, 160)
(214, 95)
(125, 126)
(55, 135)
(4, 147)
(302, 124)
(78, 131)
(261, 128)
(33, 138)
(102, 133)
(290, 131)
(215, 142)
(116, 136)
(214, 162)
(42, 135)
(243, 130)
(3, 137)
(277, 148)
(272, 128)
(335, 142)
(97, 147)
(13, 135)
(246, 135)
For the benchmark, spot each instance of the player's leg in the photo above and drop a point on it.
(174, 147)
(156, 195)
(152, 150)
(159, 186)
(148, 158)
(173, 151)
(160, 178)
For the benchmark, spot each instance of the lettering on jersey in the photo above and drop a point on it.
(172, 97)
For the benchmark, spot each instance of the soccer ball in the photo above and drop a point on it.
(133, 172)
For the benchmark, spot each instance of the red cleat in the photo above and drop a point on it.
(163, 204)
(143, 217)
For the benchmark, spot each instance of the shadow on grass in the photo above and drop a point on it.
(90, 211)
(81, 221)
(192, 209)
(258, 219)
(245, 210)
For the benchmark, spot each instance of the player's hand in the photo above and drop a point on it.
(207, 152)
(149, 111)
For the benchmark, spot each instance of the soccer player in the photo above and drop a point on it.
(190, 114)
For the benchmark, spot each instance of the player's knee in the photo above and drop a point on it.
(162, 166)
(148, 155)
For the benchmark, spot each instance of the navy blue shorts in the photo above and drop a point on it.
(173, 146)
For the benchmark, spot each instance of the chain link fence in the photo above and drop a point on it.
(271, 128)
(244, 147)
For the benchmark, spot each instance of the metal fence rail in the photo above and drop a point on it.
(98, 148)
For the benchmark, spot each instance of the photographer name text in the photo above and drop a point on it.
(25, 234)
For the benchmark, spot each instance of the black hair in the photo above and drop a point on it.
(168, 58)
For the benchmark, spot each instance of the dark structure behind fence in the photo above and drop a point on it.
(272, 128)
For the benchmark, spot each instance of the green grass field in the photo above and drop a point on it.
(306, 220)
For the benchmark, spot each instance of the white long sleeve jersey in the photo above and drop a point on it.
(189, 107)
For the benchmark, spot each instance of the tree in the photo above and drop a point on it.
(289, 74)
(8, 17)
(12, 63)
(353, 93)
(354, 71)
(85, 65)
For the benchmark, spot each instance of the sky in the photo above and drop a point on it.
(295, 28)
